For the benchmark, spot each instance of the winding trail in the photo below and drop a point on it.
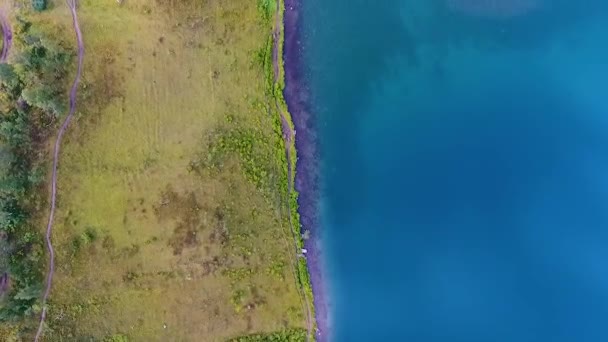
(49, 228)
(7, 37)
(288, 136)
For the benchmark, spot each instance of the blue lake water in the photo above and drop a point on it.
(464, 168)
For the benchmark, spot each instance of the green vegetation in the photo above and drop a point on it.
(32, 99)
(277, 94)
(254, 152)
(267, 8)
(253, 148)
(174, 202)
(117, 338)
(39, 5)
(292, 335)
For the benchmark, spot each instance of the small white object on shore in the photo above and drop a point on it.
(304, 251)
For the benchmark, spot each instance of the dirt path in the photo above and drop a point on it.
(49, 228)
(7, 37)
(288, 136)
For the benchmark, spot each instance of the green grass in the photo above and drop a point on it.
(174, 205)
(291, 335)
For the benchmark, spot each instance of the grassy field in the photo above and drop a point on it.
(172, 220)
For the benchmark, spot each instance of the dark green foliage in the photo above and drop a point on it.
(29, 293)
(291, 335)
(43, 98)
(116, 338)
(265, 58)
(42, 63)
(32, 97)
(10, 87)
(9, 80)
(76, 245)
(39, 5)
(89, 235)
(304, 277)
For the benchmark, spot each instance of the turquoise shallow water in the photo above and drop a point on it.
(464, 168)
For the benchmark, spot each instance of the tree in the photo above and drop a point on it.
(10, 87)
(44, 98)
(9, 78)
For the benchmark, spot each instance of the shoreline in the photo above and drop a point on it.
(296, 96)
(300, 267)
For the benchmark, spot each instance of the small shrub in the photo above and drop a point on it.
(116, 338)
(89, 235)
(39, 5)
(290, 335)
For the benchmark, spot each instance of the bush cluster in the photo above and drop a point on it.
(32, 98)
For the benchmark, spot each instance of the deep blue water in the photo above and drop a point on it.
(464, 165)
